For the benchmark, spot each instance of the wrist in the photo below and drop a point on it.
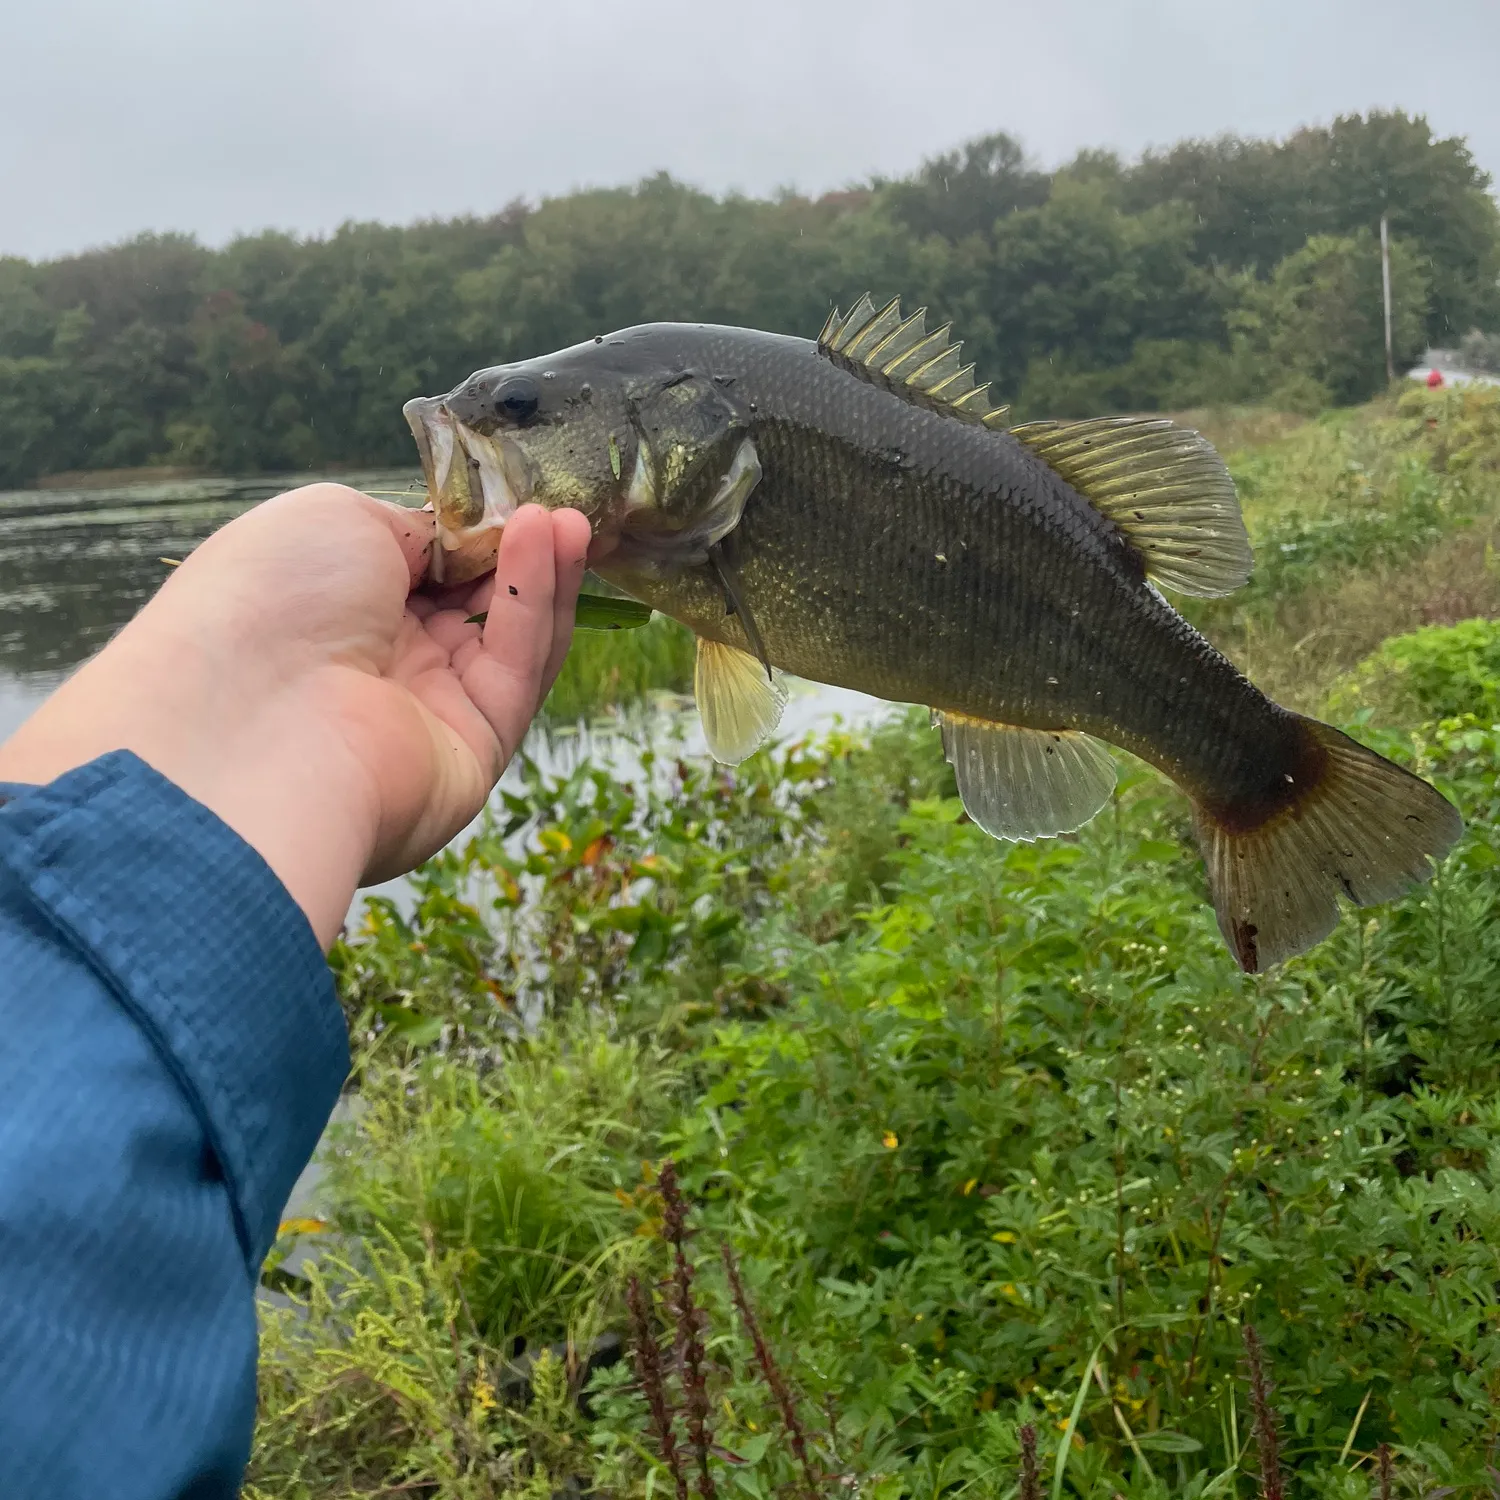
(213, 719)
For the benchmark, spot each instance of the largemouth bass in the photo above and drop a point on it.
(855, 510)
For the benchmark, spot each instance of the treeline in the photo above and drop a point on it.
(1219, 270)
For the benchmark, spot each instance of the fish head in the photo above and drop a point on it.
(635, 441)
(508, 436)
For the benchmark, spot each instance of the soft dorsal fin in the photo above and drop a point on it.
(1026, 783)
(1164, 486)
(899, 354)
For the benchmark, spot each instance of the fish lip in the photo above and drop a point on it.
(416, 411)
(475, 484)
(505, 482)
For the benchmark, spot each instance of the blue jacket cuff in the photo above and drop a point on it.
(203, 946)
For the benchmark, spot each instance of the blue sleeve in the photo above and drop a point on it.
(170, 1050)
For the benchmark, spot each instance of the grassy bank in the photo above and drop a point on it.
(1367, 523)
(608, 670)
(998, 1140)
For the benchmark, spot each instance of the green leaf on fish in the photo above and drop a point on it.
(598, 612)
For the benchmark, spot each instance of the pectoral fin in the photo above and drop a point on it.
(739, 705)
(734, 604)
(651, 537)
(1026, 783)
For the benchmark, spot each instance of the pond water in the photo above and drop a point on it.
(75, 564)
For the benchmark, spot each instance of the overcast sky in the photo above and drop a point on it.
(219, 116)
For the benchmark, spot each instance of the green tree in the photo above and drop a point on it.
(1081, 279)
(1257, 202)
(1100, 286)
(1321, 316)
(968, 191)
(1437, 199)
(248, 415)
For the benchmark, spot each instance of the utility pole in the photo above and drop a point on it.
(1385, 286)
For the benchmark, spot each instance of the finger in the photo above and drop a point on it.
(504, 680)
(571, 534)
(414, 531)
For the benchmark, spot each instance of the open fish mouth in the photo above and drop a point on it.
(475, 483)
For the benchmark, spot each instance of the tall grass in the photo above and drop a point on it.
(607, 670)
(1366, 524)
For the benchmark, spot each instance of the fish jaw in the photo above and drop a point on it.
(475, 484)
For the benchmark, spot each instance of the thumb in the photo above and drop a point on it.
(415, 532)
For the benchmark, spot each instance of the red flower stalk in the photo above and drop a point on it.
(1267, 1443)
(648, 1369)
(1031, 1483)
(771, 1371)
(690, 1323)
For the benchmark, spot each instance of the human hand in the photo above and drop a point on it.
(284, 678)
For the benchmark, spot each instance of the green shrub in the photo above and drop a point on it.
(1444, 671)
(1013, 1138)
(581, 886)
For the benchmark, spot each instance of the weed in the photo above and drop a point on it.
(653, 1383)
(770, 1372)
(1031, 1483)
(1267, 1435)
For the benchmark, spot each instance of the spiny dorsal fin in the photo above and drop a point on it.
(1026, 783)
(899, 354)
(1164, 486)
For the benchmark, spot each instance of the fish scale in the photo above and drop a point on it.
(854, 510)
(839, 563)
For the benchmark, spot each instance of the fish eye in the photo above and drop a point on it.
(517, 399)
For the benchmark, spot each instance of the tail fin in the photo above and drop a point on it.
(1362, 826)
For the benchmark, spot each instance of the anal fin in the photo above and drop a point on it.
(1026, 783)
(739, 704)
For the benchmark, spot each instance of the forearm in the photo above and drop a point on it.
(173, 1049)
